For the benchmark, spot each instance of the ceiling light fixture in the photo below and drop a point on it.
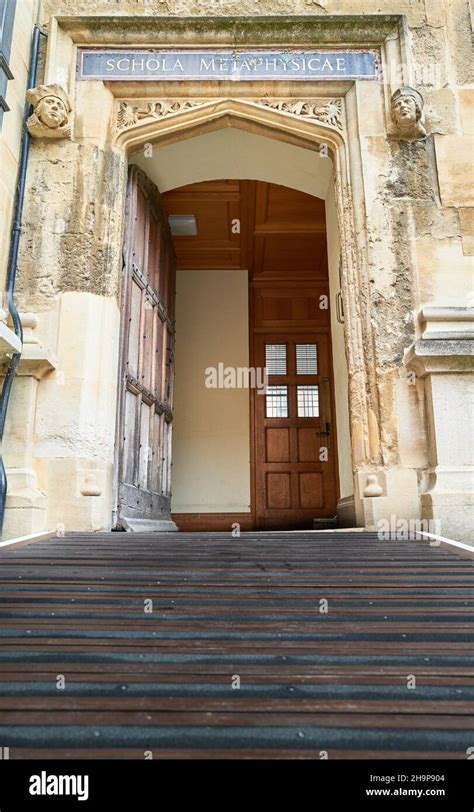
(183, 225)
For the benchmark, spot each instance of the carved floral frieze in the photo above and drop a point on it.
(130, 113)
(325, 111)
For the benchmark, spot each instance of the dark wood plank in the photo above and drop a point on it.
(224, 607)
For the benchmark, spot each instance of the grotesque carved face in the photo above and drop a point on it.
(52, 112)
(405, 112)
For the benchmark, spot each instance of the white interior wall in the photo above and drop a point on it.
(211, 427)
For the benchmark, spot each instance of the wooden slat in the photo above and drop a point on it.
(224, 607)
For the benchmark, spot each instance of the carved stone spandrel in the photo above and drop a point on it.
(325, 111)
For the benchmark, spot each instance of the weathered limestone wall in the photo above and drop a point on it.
(10, 132)
(419, 14)
(406, 238)
(10, 141)
(69, 277)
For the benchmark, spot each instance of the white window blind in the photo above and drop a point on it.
(275, 359)
(306, 359)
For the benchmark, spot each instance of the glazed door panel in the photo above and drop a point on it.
(147, 361)
(295, 474)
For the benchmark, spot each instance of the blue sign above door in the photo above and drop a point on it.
(186, 65)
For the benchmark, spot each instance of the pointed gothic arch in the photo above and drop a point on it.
(315, 124)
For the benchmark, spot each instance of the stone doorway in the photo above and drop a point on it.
(64, 471)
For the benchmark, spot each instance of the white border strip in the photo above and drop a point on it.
(21, 540)
(442, 541)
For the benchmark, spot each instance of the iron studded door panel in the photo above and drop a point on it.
(147, 362)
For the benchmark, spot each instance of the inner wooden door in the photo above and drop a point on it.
(295, 479)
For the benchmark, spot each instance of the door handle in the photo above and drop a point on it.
(326, 412)
(326, 433)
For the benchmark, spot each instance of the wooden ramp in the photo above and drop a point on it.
(224, 610)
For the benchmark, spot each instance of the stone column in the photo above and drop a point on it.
(26, 502)
(443, 358)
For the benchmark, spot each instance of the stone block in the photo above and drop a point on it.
(444, 272)
(399, 498)
(25, 511)
(452, 406)
(466, 219)
(454, 154)
(371, 121)
(451, 513)
(466, 106)
(68, 507)
(440, 110)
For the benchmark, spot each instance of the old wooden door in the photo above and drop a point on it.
(143, 465)
(294, 433)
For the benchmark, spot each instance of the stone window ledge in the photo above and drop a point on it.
(440, 356)
(447, 323)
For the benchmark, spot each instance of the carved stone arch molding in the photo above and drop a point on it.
(310, 123)
(133, 114)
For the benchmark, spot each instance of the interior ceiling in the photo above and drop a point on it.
(281, 229)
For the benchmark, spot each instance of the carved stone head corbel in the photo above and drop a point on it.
(51, 113)
(406, 107)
